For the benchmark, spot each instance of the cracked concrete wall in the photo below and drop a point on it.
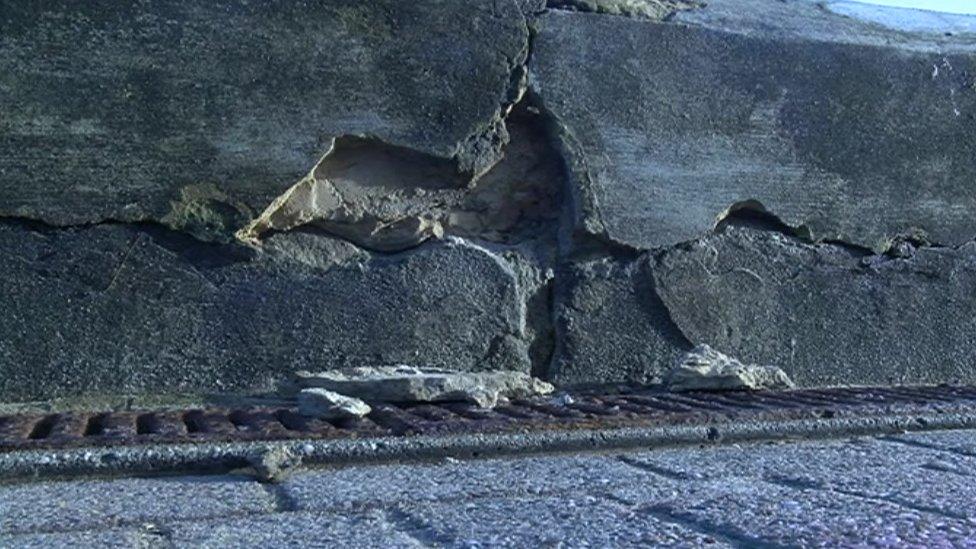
(206, 197)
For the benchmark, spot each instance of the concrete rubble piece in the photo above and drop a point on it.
(705, 369)
(325, 404)
(411, 384)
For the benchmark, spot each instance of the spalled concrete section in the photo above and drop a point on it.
(125, 309)
(111, 110)
(825, 314)
(849, 135)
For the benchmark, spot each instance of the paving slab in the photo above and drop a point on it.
(110, 539)
(910, 476)
(293, 530)
(65, 506)
(380, 485)
(576, 521)
(757, 514)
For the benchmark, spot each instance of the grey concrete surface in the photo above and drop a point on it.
(82, 505)
(912, 490)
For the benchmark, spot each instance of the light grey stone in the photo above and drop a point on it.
(326, 404)
(705, 369)
(412, 384)
(779, 105)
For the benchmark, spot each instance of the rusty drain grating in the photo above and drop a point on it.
(625, 408)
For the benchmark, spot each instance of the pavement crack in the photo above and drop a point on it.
(657, 470)
(687, 521)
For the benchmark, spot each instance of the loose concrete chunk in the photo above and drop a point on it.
(411, 384)
(325, 404)
(705, 369)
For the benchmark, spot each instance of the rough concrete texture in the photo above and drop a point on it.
(127, 308)
(411, 384)
(670, 126)
(705, 369)
(205, 197)
(111, 111)
(612, 326)
(823, 313)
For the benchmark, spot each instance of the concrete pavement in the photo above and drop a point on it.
(893, 491)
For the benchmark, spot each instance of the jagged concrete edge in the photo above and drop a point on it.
(222, 457)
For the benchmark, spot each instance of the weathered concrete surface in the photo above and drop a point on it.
(122, 308)
(853, 131)
(825, 314)
(612, 326)
(110, 111)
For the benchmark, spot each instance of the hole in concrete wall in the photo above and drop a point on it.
(387, 198)
(360, 168)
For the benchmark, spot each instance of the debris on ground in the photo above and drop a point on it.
(705, 369)
(412, 384)
(325, 404)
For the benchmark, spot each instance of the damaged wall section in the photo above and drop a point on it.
(117, 308)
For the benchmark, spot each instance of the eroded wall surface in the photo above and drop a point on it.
(206, 196)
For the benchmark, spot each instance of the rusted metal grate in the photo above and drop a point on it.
(623, 408)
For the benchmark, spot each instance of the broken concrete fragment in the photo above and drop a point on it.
(325, 404)
(670, 126)
(411, 384)
(262, 90)
(705, 369)
(649, 9)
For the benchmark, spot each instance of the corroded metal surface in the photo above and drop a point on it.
(622, 408)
